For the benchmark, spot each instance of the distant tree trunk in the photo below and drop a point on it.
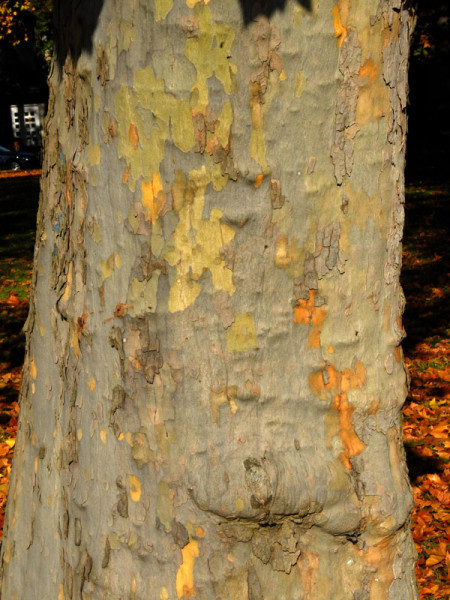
(211, 396)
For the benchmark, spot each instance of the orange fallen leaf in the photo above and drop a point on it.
(433, 560)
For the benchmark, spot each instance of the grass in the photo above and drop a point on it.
(18, 208)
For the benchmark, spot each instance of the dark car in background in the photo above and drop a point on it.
(13, 160)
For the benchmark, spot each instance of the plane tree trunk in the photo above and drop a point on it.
(211, 395)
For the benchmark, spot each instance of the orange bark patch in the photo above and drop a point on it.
(258, 180)
(353, 378)
(33, 370)
(126, 175)
(340, 32)
(314, 338)
(112, 128)
(373, 407)
(121, 310)
(381, 558)
(306, 312)
(153, 197)
(308, 565)
(352, 445)
(387, 317)
(133, 136)
(369, 70)
(330, 381)
(327, 380)
(81, 322)
(373, 102)
(256, 106)
(101, 294)
(212, 144)
(185, 575)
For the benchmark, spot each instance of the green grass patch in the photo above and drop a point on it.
(18, 208)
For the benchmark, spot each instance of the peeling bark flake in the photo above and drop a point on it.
(345, 110)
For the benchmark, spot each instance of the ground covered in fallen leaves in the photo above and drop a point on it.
(19, 194)
(426, 285)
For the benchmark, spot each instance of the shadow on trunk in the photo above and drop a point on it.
(75, 23)
(253, 8)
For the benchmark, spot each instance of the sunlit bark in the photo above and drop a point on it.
(211, 394)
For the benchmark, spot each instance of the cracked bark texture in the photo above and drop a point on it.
(211, 396)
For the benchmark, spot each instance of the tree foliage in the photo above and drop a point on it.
(431, 36)
(27, 21)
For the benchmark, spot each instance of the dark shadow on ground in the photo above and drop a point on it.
(19, 196)
(420, 465)
(425, 277)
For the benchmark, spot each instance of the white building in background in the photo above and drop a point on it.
(27, 121)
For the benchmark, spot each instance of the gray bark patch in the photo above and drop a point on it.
(346, 127)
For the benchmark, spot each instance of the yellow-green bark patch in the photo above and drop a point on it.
(226, 395)
(242, 334)
(135, 488)
(197, 245)
(162, 9)
(164, 504)
(107, 266)
(300, 83)
(142, 295)
(185, 575)
(96, 234)
(153, 114)
(209, 52)
(126, 36)
(223, 125)
(94, 154)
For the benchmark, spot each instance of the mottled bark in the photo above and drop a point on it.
(212, 390)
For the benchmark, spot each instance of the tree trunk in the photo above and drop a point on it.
(211, 396)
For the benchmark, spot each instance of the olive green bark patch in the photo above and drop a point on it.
(94, 154)
(242, 334)
(223, 125)
(163, 8)
(155, 116)
(107, 266)
(300, 83)
(142, 295)
(209, 53)
(164, 504)
(197, 246)
(126, 36)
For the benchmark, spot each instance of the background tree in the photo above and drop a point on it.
(27, 20)
(26, 34)
(211, 394)
(429, 120)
